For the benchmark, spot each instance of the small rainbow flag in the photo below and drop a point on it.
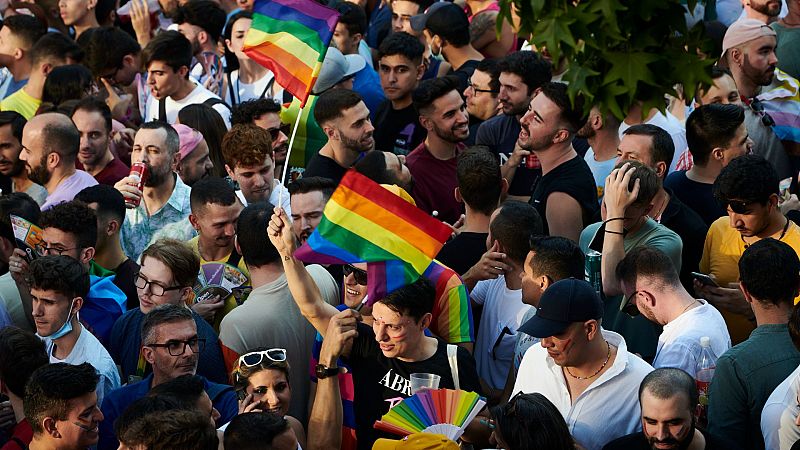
(290, 37)
(364, 222)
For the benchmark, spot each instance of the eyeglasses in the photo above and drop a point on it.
(758, 107)
(274, 133)
(155, 288)
(255, 358)
(44, 251)
(111, 77)
(177, 348)
(476, 89)
(359, 275)
(630, 307)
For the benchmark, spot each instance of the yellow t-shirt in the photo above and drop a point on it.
(22, 103)
(721, 253)
(230, 301)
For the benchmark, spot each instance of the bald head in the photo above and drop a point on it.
(53, 132)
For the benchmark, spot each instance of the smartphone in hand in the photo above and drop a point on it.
(704, 279)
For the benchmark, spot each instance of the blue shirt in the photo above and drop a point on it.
(126, 342)
(368, 84)
(117, 401)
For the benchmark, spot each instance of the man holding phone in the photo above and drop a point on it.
(748, 188)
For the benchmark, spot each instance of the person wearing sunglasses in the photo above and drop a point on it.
(748, 189)
(530, 422)
(652, 288)
(261, 381)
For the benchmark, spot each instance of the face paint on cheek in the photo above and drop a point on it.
(567, 347)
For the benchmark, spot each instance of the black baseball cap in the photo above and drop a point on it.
(443, 18)
(565, 302)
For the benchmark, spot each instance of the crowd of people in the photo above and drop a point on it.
(599, 269)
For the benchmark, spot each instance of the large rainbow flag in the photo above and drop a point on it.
(290, 37)
(364, 222)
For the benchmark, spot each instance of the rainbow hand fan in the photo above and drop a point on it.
(441, 411)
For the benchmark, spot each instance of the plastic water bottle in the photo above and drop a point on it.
(706, 364)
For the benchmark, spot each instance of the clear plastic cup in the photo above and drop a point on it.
(423, 381)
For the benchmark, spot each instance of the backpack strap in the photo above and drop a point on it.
(230, 89)
(452, 351)
(215, 101)
(162, 109)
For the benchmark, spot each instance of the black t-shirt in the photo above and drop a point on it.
(692, 230)
(322, 166)
(573, 178)
(695, 195)
(397, 130)
(463, 251)
(500, 134)
(637, 441)
(474, 124)
(378, 379)
(464, 73)
(124, 281)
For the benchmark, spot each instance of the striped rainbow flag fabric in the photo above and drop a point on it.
(290, 37)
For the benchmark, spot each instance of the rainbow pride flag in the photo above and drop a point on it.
(310, 137)
(364, 222)
(290, 37)
(452, 312)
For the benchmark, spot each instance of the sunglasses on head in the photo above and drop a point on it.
(359, 275)
(255, 358)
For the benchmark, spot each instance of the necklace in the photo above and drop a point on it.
(688, 306)
(780, 238)
(608, 357)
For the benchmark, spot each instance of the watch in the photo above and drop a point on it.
(322, 371)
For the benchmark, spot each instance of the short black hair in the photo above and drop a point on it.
(21, 353)
(204, 14)
(648, 262)
(353, 17)
(373, 166)
(415, 299)
(254, 430)
(649, 182)
(15, 119)
(184, 390)
(61, 274)
(571, 114)
(480, 182)
(26, 28)
(667, 382)
(140, 408)
(65, 83)
(556, 257)
(19, 204)
(431, 90)
(513, 227)
(770, 271)
(107, 48)
(74, 218)
(161, 314)
(332, 104)
(171, 48)
(211, 190)
(95, 105)
(248, 111)
(304, 185)
(62, 137)
(176, 429)
(530, 66)
(492, 68)
(711, 126)
(110, 202)
(749, 178)
(52, 386)
(403, 44)
(54, 47)
(662, 149)
(257, 250)
(449, 22)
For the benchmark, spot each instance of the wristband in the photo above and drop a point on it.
(612, 219)
(615, 232)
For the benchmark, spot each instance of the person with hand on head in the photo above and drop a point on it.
(630, 190)
(61, 407)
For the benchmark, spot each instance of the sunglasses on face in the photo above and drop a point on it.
(359, 275)
(738, 206)
(274, 133)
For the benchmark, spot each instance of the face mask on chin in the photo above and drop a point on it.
(66, 328)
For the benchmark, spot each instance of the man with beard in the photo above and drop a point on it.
(601, 133)
(50, 144)
(201, 22)
(344, 118)
(248, 155)
(164, 198)
(308, 198)
(195, 163)
(668, 398)
(11, 126)
(521, 74)
(265, 113)
(433, 163)
(765, 11)
(565, 195)
(92, 118)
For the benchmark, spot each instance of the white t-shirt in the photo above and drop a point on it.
(503, 311)
(679, 343)
(524, 340)
(600, 171)
(88, 349)
(673, 126)
(198, 95)
(779, 415)
(606, 410)
(249, 91)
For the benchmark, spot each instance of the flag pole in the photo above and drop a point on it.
(291, 145)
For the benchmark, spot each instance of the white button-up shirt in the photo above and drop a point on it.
(607, 409)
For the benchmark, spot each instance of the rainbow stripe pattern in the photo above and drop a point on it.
(441, 411)
(452, 312)
(290, 37)
(364, 222)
